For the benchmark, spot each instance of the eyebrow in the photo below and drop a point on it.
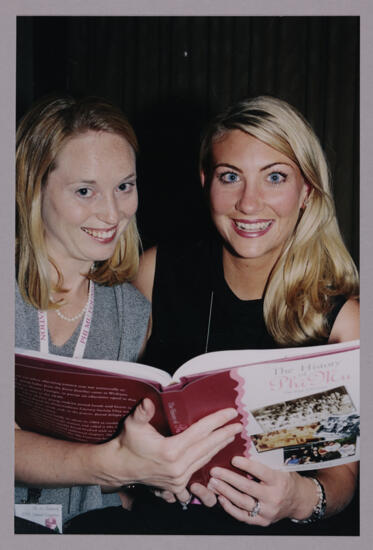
(224, 164)
(275, 164)
(93, 182)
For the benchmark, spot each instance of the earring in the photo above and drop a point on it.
(305, 203)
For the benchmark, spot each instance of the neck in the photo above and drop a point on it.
(247, 278)
(75, 282)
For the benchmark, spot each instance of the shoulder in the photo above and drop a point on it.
(134, 316)
(347, 323)
(132, 295)
(145, 277)
(26, 323)
(171, 262)
(22, 308)
(125, 293)
(18, 297)
(125, 307)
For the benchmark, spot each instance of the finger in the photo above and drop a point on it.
(207, 497)
(166, 495)
(256, 469)
(239, 514)
(239, 481)
(144, 412)
(206, 425)
(199, 455)
(170, 499)
(206, 447)
(241, 500)
(183, 496)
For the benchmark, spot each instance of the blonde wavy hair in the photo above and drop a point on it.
(315, 265)
(41, 134)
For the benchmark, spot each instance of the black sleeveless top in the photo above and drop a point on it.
(195, 311)
(185, 279)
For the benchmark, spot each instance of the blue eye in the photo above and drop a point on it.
(277, 177)
(229, 177)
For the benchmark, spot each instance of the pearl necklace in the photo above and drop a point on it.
(76, 317)
(72, 319)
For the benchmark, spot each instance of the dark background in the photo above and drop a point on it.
(172, 74)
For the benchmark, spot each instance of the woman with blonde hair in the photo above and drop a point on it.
(77, 250)
(274, 273)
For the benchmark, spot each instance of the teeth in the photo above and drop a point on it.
(259, 226)
(100, 234)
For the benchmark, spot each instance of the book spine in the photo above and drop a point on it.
(176, 411)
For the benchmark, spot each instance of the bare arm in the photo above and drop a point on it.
(139, 454)
(145, 278)
(144, 283)
(347, 324)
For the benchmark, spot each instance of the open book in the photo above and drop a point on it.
(299, 406)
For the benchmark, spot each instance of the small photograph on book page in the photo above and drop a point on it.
(331, 428)
(296, 435)
(303, 410)
(321, 452)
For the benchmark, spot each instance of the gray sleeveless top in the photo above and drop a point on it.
(118, 329)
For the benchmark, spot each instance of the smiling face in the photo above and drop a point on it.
(89, 198)
(256, 194)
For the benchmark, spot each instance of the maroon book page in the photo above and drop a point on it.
(76, 404)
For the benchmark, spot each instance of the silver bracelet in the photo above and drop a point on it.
(320, 508)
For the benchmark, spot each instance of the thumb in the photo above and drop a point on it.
(144, 412)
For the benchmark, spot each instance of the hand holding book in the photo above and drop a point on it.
(280, 494)
(169, 462)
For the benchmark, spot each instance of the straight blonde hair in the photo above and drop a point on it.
(315, 264)
(41, 134)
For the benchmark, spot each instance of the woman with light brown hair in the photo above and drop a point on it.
(275, 272)
(77, 251)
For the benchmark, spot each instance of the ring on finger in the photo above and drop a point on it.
(184, 505)
(256, 510)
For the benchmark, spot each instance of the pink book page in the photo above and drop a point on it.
(301, 414)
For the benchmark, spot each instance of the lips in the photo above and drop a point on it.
(251, 228)
(101, 235)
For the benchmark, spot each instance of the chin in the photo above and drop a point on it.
(101, 257)
(251, 253)
(244, 251)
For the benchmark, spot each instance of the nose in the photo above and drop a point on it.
(108, 211)
(250, 199)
